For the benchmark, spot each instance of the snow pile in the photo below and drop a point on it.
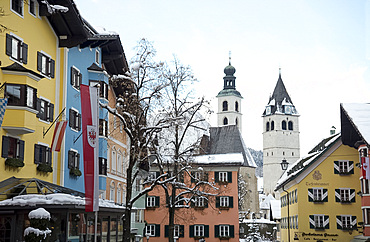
(258, 221)
(52, 9)
(39, 213)
(233, 158)
(37, 232)
(101, 30)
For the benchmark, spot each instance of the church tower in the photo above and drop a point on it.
(280, 136)
(229, 101)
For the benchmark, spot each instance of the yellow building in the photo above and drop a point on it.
(318, 194)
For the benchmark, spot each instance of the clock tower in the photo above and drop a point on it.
(280, 136)
(229, 101)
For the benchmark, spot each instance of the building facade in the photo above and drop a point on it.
(318, 194)
(280, 136)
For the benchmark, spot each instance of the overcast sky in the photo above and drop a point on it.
(322, 47)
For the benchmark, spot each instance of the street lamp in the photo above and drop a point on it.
(147, 236)
(284, 164)
(175, 238)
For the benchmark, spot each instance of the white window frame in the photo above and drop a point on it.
(112, 189)
(119, 163)
(76, 162)
(150, 201)
(97, 56)
(176, 231)
(150, 230)
(317, 194)
(19, 14)
(319, 220)
(345, 194)
(199, 202)
(198, 230)
(222, 176)
(365, 186)
(343, 166)
(224, 230)
(346, 221)
(114, 160)
(224, 201)
(35, 7)
(76, 81)
(119, 194)
(76, 116)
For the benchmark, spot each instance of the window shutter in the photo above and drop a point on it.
(157, 201)
(106, 90)
(79, 121)
(205, 176)
(206, 231)
(339, 222)
(78, 161)
(350, 168)
(157, 174)
(37, 154)
(70, 159)
(38, 107)
(49, 161)
(206, 203)
(231, 202)
(354, 222)
(8, 45)
(325, 195)
(51, 112)
(312, 221)
(232, 233)
(352, 195)
(182, 230)
(72, 73)
(217, 202)
(192, 176)
(157, 230)
(217, 231)
(336, 167)
(166, 228)
(191, 231)
(24, 53)
(337, 195)
(52, 68)
(21, 149)
(71, 118)
(326, 221)
(310, 195)
(216, 176)
(229, 177)
(5, 148)
(39, 61)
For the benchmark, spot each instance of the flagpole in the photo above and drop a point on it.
(95, 165)
(96, 227)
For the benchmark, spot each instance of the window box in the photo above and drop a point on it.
(44, 168)
(14, 162)
(75, 172)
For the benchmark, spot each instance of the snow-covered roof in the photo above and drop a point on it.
(360, 115)
(285, 102)
(275, 209)
(53, 199)
(265, 201)
(220, 159)
(272, 102)
(258, 221)
(297, 167)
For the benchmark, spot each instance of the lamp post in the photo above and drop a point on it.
(284, 166)
(175, 238)
(147, 237)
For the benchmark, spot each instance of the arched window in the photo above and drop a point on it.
(226, 121)
(224, 106)
(119, 194)
(290, 125)
(119, 163)
(267, 126)
(236, 106)
(283, 125)
(112, 192)
(272, 125)
(114, 160)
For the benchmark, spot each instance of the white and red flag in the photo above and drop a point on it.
(60, 128)
(365, 167)
(90, 134)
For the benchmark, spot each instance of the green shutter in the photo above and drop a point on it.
(50, 157)
(39, 61)
(217, 202)
(351, 169)
(70, 159)
(232, 233)
(157, 230)
(8, 45)
(339, 222)
(182, 230)
(72, 73)
(192, 177)
(206, 231)
(231, 202)
(217, 231)
(326, 220)
(166, 228)
(157, 201)
(52, 68)
(336, 167)
(37, 154)
(206, 203)
(78, 161)
(51, 112)
(5, 146)
(24, 53)
(352, 195)
(71, 118)
(337, 195)
(310, 194)
(325, 191)
(312, 221)
(191, 231)
(216, 176)
(21, 149)
(354, 222)
(38, 107)
(229, 177)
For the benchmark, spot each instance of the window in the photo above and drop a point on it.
(272, 125)
(344, 195)
(199, 230)
(152, 201)
(74, 119)
(21, 95)
(73, 159)
(317, 194)
(103, 166)
(138, 216)
(103, 127)
(32, 7)
(224, 231)
(138, 185)
(346, 221)
(16, 49)
(225, 121)
(224, 201)
(46, 110)
(119, 163)
(199, 202)
(76, 78)
(365, 186)
(223, 176)
(224, 106)
(112, 191)
(236, 107)
(267, 126)
(45, 64)
(152, 230)
(199, 176)
(114, 161)
(17, 6)
(366, 215)
(119, 194)
(103, 88)
(97, 56)
(343, 167)
(12, 148)
(319, 221)
(153, 175)
(42, 154)
(283, 125)
(290, 125)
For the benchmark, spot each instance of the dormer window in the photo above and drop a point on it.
(268, 110)
(287, 109)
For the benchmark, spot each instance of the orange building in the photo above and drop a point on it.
(211, 218)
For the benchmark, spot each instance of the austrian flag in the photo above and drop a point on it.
(59, 130)
(365, 167)
(90, 122)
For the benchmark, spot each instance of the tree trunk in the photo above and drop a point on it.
(127, 213)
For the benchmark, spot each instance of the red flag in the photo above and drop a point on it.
(365, 167)
(60, 128)
(90, 134)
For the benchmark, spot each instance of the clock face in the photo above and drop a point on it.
(288, 109)
(268, 110)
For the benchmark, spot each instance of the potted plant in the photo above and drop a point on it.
(14, 162)
(44, 167)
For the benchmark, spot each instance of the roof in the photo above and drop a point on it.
(228, 139)
(265, 201)
(279, 98)
(220, 159)
(355, 123)
(19, 68)
(302, 164)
